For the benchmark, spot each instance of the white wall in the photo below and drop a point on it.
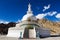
(15, 33)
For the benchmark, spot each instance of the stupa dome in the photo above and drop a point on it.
(29, 15)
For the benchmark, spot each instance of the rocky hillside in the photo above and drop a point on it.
(4, 27)
(53, 26)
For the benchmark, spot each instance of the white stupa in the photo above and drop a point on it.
(28, 20)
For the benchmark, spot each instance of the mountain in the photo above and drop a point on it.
(4, 27)
(53, 26)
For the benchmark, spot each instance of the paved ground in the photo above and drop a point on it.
(11, 38)
(50, 38)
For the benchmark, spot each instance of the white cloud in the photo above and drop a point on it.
(46, 7)
(5, 22)
(41, 16)
(58, 15)
(51, 13)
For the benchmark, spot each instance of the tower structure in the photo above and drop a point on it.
(23, 29)
(29, 9)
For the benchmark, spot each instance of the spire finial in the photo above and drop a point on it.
(29, 7)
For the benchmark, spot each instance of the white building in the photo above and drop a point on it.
(28, 27)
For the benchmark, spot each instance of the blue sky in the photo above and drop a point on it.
(13, 10)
